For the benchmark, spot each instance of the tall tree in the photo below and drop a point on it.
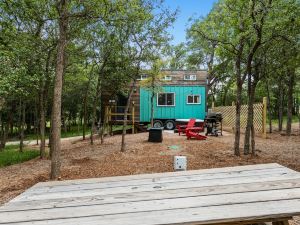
(258, 12)
(63, 21)
(153, 83)
(242, 39)
(146, 38)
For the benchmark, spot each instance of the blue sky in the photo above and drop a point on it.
(187, 9)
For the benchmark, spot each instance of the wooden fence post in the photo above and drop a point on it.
(110, 124)
(105, 122)
(212, 106)
(264, 118)
(132, 114)
(109, 114)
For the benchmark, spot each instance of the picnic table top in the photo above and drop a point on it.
(210, 196)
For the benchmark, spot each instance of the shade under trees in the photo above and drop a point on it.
(256, 45)
(59, 56)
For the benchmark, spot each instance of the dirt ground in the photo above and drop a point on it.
(81, 160)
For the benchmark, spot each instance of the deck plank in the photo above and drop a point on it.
(158, 194)
(153, 187)
(177, 179)
(211, 196)
(163, 175)
(210, 201)
(190, 216)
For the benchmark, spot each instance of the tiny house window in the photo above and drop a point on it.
(168, 77)
(144, 77)
(193, 99)
(190, 77)
(166, 99)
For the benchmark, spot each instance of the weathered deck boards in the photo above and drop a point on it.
(265, 192)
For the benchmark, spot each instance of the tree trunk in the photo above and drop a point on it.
(85, 106)
(238, 120)
(269, 107)
(11, 120)
(43, 107)
(210, 73)
(253, 151)
(251, 93)
(64, 121)
(224, 99)
(43, 103)
(43, 112)
(29, 123)
(298, 112)
(42, 126)
(96, 100)
(250, 133)
(97, 96)
(251, 86)
(36, 123)
(101, 128)
(291, 81)
(70, 123)
(100, 117)
(250, 116)
(152, 108)
(280, 107)
(84, 116)
(3, 133)
(93, 119)
(22, 126)
(50, 137)
(59, 72)
(239, 85)
(94, 114)
(125, 116)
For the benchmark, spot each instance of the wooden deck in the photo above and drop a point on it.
(232, 195)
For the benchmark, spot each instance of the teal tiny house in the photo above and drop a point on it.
(174, 102)
(182, 96)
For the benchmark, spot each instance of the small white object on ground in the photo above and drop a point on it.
(180, 163)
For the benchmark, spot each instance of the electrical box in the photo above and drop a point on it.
(180, 163)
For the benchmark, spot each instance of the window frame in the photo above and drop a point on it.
(169, 77)
(193, 103)
(141, 77)
(174, 99)
(190, 75)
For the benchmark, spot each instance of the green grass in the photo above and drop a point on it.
(72, 133)
(11, 155)
(29, 137)
(294, 120)
(120, 127)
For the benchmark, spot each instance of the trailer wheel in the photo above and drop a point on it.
(157, 124)
(169, 125)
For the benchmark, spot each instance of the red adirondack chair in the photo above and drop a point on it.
(193, 132)
(182, 128)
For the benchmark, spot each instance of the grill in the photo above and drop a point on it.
(213, 124)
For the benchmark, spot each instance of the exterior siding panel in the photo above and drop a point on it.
(181, 110)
